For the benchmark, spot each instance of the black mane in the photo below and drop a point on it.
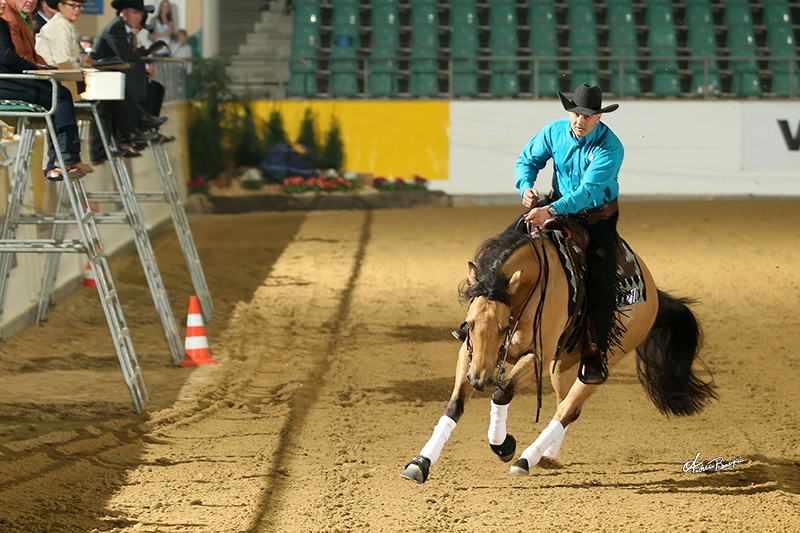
(490, 257)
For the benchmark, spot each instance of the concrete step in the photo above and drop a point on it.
(261, 91)
(267, 39)
(265, 71)
(270, 50)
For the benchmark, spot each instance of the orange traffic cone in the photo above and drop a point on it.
(197, 352)
(89, 280)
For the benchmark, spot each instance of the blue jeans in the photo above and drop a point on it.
(40, 92)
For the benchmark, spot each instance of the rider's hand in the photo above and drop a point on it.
(530, 197)
(537, 216)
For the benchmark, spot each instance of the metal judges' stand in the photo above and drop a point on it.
(133, 217)
(27, 118)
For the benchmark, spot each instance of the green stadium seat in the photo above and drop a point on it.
(305, 21)
(541, 12)
(384, 22)
(659, 14)
(622, 29)
(588, 76)
(424, 23)
(424, 45)
(345, 22)
(545, 85)
(786, 84)
(666, 84)
(737, 15)
(344, 69)
(543, 42)
(504, 84)
(777, 15)
(746, 84)
(383, 71)
(662, 42)
(702, 43)
(464, 44)
(742, 46)
(503, 41)
(588, 64)
(626, 84)
(582, 24)
(698, 13)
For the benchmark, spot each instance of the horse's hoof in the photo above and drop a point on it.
(417, 469)
(519, 468)
(506, 450)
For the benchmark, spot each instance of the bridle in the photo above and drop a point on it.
(502, 354)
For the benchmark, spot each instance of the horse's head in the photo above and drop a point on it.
(488, 324)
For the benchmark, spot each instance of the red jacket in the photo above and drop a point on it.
(22, 38)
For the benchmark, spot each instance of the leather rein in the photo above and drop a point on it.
(502, 354)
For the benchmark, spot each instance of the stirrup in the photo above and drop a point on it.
(596, 363)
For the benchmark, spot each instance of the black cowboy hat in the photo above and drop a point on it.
(119, 5)
(53, 4)
(586, 100)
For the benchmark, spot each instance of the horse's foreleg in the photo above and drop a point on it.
(417, 470)
(503, 444)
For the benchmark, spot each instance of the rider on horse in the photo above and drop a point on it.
(587, 157)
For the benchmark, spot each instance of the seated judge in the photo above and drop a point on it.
(40, 92)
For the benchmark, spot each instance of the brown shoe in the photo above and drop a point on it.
(76, 171)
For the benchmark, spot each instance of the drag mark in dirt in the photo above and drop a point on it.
(303, 399)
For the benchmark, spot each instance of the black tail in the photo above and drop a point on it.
(664, 360)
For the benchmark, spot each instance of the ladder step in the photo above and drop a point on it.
(51, 218)
(41, 246)
(115, 196)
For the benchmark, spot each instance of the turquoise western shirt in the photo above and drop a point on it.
(586, 169)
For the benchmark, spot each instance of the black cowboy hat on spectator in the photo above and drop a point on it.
(586, 100)
(119, 5)
(53, 4)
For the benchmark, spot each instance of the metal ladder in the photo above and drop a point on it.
(132, 216)
(82, 216)
(170, 195)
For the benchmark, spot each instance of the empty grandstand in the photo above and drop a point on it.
(529, 49)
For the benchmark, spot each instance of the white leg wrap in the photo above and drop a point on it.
(552, 450)
(441, 433)
(497, 423)
(534, 452)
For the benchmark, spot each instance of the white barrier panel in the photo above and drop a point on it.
(725, 148)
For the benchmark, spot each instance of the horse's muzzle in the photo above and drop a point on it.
(480, 384)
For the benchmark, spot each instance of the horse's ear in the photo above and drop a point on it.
(472, 275)
(514, 282)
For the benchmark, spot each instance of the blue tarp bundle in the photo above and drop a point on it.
(284, 161)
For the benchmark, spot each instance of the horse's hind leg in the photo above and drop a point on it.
(562, 376)
(417, 469)
(567, 412)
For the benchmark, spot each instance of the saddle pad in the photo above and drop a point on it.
(630, 281)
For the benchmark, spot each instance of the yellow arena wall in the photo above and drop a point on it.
(389, 139)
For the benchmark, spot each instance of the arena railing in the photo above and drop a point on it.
(723, 67)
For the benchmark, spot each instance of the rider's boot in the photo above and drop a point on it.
(593, 369)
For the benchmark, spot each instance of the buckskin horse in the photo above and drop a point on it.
(526, 309)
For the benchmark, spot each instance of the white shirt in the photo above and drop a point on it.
(58, 42)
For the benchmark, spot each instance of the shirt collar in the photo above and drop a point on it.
(26, 18)
(585, 139)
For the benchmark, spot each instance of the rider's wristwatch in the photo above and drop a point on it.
(552, 211)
